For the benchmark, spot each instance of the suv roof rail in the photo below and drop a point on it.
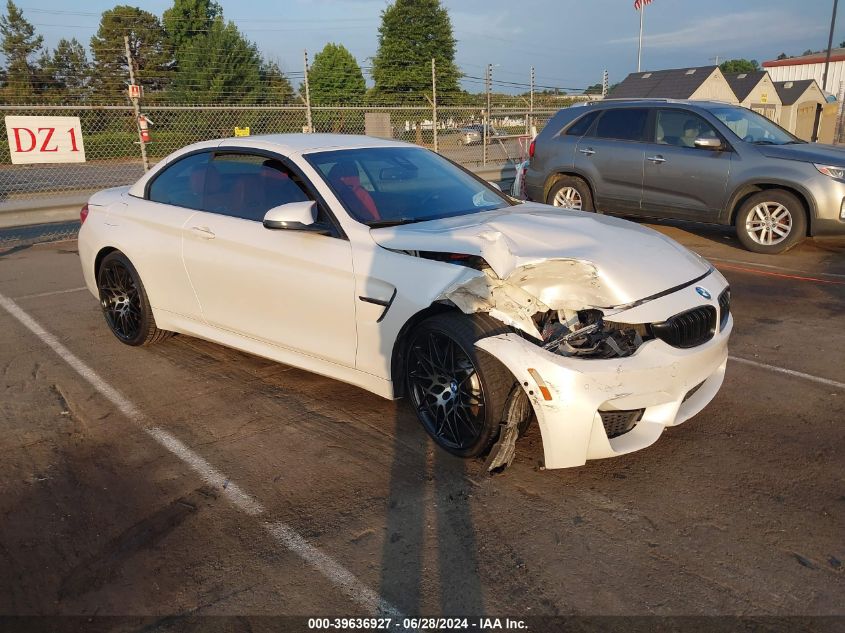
(637, 99)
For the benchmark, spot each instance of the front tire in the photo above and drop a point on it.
(771, 222)
(458, 392)
(126, 307)
(571, 192)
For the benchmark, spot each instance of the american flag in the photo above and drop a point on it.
(639, 4)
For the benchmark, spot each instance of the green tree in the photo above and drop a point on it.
(335, 77)
(219, 66)
(18, 42)
(412, 32)
(783, 56)
(188, 19)
(595, 89)
(739, 66)
(275, 87)
(151, 52)
(67, 71)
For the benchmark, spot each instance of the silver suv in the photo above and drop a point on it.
(691, 160)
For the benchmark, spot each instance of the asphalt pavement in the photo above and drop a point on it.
(187, 480)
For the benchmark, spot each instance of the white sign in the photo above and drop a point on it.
(45, 139)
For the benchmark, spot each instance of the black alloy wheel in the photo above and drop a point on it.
(124, 302)
(457, 391)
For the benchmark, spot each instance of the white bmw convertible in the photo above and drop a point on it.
(384, 265)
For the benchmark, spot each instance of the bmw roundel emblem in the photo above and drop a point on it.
(703, 292)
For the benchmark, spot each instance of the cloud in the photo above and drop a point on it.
(745, 29)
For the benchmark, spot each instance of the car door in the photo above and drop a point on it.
(611, 156)
(156, 222)
(680, 179)
(289, 288)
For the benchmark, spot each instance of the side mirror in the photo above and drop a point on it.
(294, 216)
(708, 142)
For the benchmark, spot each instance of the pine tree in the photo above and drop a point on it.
(219, 66)
(18, 42)
(335, 77)
(150, 49)
(67, 71)
(188, 19)
(412, 32)
(275, 87)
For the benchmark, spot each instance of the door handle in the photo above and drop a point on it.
(203, 232)
(656, 159)
(588, 151)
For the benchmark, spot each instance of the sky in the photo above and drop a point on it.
(569, 42)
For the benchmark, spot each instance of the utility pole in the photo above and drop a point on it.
(434, 102)
(826, 67)
(530, 121)
(640, 47)
(135, 96)
(486, 121)
(309, 127)
(605, 83)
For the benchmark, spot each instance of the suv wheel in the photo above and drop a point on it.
(771, 222)
(570, 192)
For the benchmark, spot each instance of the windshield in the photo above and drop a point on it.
(380, 186)
(753, 128)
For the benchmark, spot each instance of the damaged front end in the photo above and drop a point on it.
(616, 329)
(563, 307)
(586, 334)
(554, 303)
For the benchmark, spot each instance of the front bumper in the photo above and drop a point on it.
(671, 385)
(827, 195)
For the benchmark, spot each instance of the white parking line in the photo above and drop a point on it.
(50, 293)
(778, 268)
(333, 571)
(790, 372)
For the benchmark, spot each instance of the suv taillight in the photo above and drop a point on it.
(531, 149)
(83, 214)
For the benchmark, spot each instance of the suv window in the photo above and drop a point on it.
(623, 124)
(580, 127)
(246, 186)
(680, 128)
(182, 183)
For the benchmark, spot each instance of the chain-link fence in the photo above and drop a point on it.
(464, 134)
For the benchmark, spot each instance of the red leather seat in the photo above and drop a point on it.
(343, 176)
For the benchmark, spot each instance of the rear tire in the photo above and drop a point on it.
(458, 391)
(571, 192)
(126, 307)
(771, 222)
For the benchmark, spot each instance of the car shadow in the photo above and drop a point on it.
(429, 522)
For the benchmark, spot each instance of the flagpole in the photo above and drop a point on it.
(640, 47)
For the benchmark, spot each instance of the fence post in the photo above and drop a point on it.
(434, 102)
(605, 83)
(487, 116)
(308, 122)
(530, 122)
(135, 105)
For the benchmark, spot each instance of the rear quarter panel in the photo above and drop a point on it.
(553, 153)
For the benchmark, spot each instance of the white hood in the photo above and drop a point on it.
(564, 258)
